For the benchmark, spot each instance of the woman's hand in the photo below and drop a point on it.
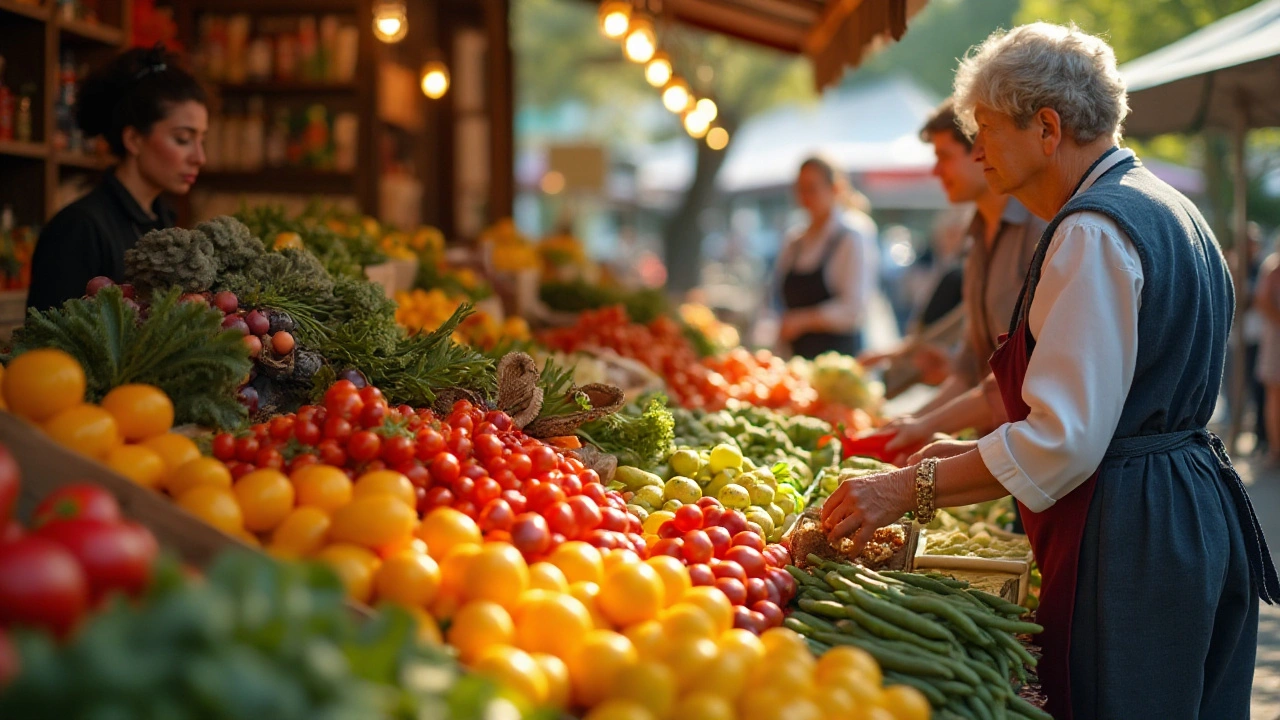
(862, 505)
(942, 449)
(909, 433)
(796, 323)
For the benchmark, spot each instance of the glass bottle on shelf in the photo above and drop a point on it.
(252, 128)
(22, 124)
(277, 149)
(286, 57)
(6, 107)
(307, 48)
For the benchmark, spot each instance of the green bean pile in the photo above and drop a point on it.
(954, 644)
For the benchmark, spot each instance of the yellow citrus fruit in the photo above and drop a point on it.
(686, 620)
(141, 411)
(214, 505)
(428, 629)
(373, 521)
(703, 706)
(906, 703)
(197, 472)
(557, 675)
(588, 593)
(656, 519)
(614, 558)
(545, 576)
(265, 497)
(744, 644)
(354, 565)
(407, 578)
(762, 703)
(478, 626)
(174, 449)
(782, 641)
(86, 429)
(649, 639)
(515, 670)
(552, 623)
(138, 463)
(42, 383)
(836, 702)
(580, 562)
(836, 663)
(322, 486)
(789, 677)
(651, 685)
(386, 482)
(631, 593)
(301, 534)
(443, 529)
(498, 573)
(690, 659)
(453, 578)
(620, 710)
(675, 577)
(601, 663)
(715, 603)
(727, 676)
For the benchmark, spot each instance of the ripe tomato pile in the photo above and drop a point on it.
(660, 345)
(763, 379)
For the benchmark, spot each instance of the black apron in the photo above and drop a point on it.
(804, 290)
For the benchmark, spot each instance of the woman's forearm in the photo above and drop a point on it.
(965, 480)
(970, 410)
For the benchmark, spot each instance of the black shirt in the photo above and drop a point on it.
(88, 238)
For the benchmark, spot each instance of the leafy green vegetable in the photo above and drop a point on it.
(180, 348)
(643, 306)
(558, 396)
(642, 439)
(191, 259)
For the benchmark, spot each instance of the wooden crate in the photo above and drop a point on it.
(47, 466)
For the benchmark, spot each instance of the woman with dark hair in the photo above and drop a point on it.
(827, 271)
(153, 116)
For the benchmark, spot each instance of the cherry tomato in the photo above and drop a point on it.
(560, 519)
(749, 620)
(516, 500)
(589, 477)
(300, 461)
(698, 548)
(466, 507)
(668, 529)
(729, 569)
(341, 387)
(364, 446)
(543, 495)
(673, 547)
(269, 457)
(749, 558)
(281, 428)
(544, 459)
(464, 488)
(437, 496)
(417, 473)
(224, 446)
(770, 611)
(370, 394)
(688, 517)
(733, 521)
(601, 539)
(446, 468)
(428, 444)
(720, 540)
(586, 511)
(336, 428)
(496, 515)
(372, 415)
(733, 588)
(397, 450)
(488, 446)
(307, 432)
(699, 574)
(496, 464)
(500, 420)
(596, 492)
(786, 584)
(530, 534)
(459, 445)
(506, 480)
(462, 422)
(748, 539)
(41, 584)
(614, 519)
(347, 405)
(239, 469)
(474, 471)
(487, 490)
(78, 500)
(574, 466)
(757, 590)
(520, 464)
(247, 449)
(571, 485)
(332, 453)
(707, 501)
(115, 555)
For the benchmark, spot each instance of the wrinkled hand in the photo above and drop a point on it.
(942, 449)
(862, 505)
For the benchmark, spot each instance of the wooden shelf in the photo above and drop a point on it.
(277, 7)
(287, 181)
(14, 148)
(78, 30)
(14, 7)
(83, 161)
(287, 88)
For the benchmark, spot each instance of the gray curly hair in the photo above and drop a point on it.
(1042, 65)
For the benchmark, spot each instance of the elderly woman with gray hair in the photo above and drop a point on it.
(1152, 560)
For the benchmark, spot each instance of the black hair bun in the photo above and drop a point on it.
(133, 90)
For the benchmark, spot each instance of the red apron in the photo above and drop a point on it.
(1055, 535)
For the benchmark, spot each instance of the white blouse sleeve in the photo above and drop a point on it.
(1085, 321)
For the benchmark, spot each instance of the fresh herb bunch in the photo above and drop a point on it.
(559, 395)
(256, 639)
(637, 438)
(191, 259)
(180, 348)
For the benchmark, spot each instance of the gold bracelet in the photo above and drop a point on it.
(926, 473)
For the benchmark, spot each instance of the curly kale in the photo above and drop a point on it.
(290, 273)
(174, 257)
(362, 301)
(234, 245)
(640, 440)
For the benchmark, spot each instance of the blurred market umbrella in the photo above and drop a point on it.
(1225, 76)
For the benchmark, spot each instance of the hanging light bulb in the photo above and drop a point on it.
(435, 79)
(390, 23)
(615, 18)
(675, 96)
(641, 41)
(717, 138)
(696, 124)
(707, 107)
(658, 71)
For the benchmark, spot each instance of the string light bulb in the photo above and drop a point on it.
(717, 138)
(658, 71)
(390, 22)
(707, 106)
(675, 96)
(696, 124)
(641, 41)
(435, 79)
(615, 18)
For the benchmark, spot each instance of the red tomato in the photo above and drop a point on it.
(697, 547)
(615, 519)
(733, 521)
(466, 507)
(397, 450)
(520, 464)
(464, 488)
(269, 457)
(500, 420)
(9, 663)
(300, 461)
(560, 519)
(371, 394)
(487, 489)
(336, 428)
(429, 444)
(462, 421)
(757, 590)
(670, 546)
(668, 529)
(719, 539)
(496, 515)
(544, 459)
(460, 444)
(488, 446)
(78, 500)
(586, 511)
(11, 530)
(224, 446)
(775, 595)
(634, 526)
(589, 477)
(247, 449)
(701, 575)
(343, 401)
(688, 518)
(445, 468)
(41, 584)
(706, 502)
(332, 453)
(571, 484)
(770, 611)
(364, 446)
(542, 496)
(786, 584)
(729, 569)
(601, 539)
(748, 539)
(281, 427)
(750, 559)
(516, 500)
(114, 555)
(307, 432)
(530, 534)
(597, 493)
(506, 480)
(733, 588)
(437, 496)
(372, 415)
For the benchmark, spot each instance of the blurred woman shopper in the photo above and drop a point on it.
(153, 116)
(1152, 560)
(827, 271)
(1266, 302)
